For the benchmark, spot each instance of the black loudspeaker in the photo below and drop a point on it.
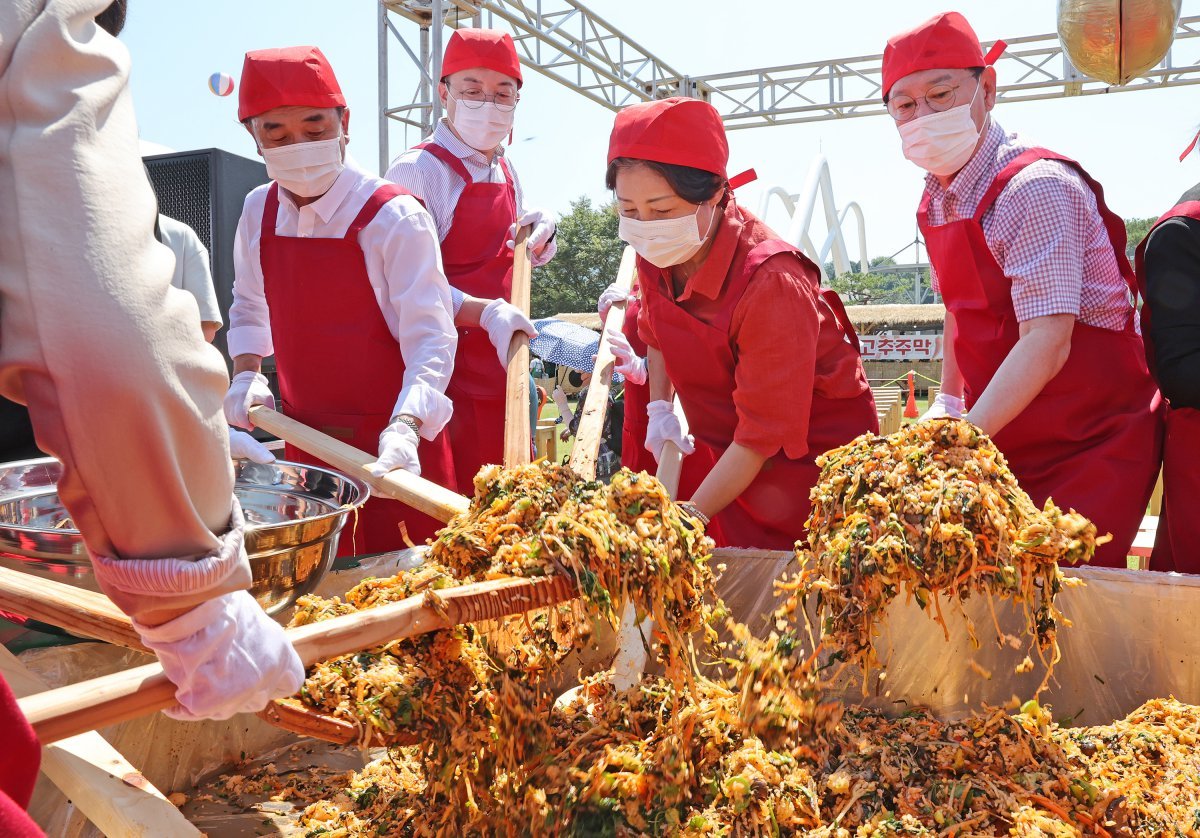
(205, 189)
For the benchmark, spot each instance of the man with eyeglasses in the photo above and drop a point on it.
(1041, 344)
(467, 183)
(337, 273)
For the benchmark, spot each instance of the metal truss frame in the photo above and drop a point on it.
(567, 42)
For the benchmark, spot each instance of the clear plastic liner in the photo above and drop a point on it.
(1115, 40)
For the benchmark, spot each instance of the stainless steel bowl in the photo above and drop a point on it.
(295, 514)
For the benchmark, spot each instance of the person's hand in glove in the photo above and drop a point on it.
(629, 363)
(944, 406)
(246, 390)
(664, 426)
(217, 646)
(502, 320)
(242, 446)
(397, 449)
(539, 237)
(612, 294)
(225, 656)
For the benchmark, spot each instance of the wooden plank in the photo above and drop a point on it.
(591, 422)
(99, 702)
(419, 493)
(518, 437)
(84, 613)
(109, 791)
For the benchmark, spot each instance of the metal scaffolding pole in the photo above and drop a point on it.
(568, 42)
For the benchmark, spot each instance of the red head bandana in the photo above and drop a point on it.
(276, 78)
(487, 48)
(944, 42)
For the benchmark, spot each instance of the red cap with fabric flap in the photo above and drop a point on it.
(487, 48)
(291, 76)
(679, 131)
(944, 42)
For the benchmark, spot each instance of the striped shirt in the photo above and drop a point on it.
(1044, 230)
(439, 187)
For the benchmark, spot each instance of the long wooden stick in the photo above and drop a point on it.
(517, 435)
(94, 776)
(68, 711)
(419, 493)
(591, 420)
(80, 612)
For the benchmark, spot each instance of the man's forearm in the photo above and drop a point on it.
(952, 380)
(247, 363)
(1037, 357)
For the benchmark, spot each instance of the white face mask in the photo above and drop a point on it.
(942, 143)
(482, 128)
(665, 241)
(305, 169)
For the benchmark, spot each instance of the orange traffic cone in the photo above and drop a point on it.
(910, 407)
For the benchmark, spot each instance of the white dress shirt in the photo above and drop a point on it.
(404, 266)
(192, 272)
(440, 187)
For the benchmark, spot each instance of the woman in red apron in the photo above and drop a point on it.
(1088, 435)
(1168, 269)
(766, 365)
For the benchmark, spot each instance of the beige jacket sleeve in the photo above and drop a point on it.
(120, 384)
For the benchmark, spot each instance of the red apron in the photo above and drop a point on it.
(18, 768)
(700, 362)
(1092, 438)
(478, 262)
(1177, 542)
(339, 366)
(634, 455)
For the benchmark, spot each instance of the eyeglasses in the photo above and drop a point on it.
(474, 99)
(939, 98)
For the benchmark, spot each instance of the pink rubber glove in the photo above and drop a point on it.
(629, 363)
(612, 294)
(944, 406)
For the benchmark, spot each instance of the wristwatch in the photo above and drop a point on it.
(408, 420)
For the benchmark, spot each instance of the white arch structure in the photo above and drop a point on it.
(801, 207)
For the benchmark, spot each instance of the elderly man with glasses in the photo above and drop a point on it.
(465, 180)
(1041, 340)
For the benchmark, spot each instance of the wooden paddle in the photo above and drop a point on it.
(591, 420)
(518, 438)
(419, 493)
(88, 705)
(80, 612)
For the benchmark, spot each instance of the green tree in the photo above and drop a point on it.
(873, 289)
(1136, 230)
(589, 252)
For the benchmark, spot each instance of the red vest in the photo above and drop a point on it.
(1092, 438)
(1177, 542)
(339, 367)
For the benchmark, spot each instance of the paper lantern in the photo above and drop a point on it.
(220, 84)
(1116, 40)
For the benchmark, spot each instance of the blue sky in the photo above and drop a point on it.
(1129, 142)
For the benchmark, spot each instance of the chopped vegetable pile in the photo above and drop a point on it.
(740, 736)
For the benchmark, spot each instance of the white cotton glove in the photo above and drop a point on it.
(246, 390)
(539, 236)
(225, 656)
(664, 426)
(503, 320)
(944, 406)
(242, 446)
(629, 363)
(397, 449)
(612, 294)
